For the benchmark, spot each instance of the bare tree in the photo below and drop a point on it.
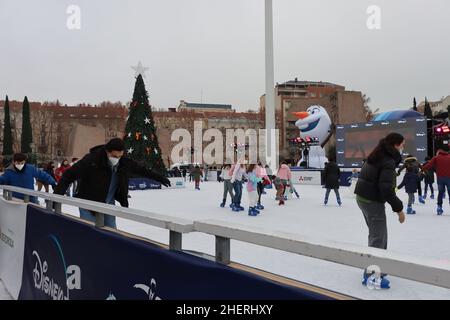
(370, 113)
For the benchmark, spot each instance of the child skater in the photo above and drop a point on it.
(252, 185)
(410, 181)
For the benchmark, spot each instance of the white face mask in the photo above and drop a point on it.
(113, 161)
(19, 166)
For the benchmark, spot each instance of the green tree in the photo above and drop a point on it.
(427, 111)
(7, 135)
(415, 104)
(141, 141)
(27, 133)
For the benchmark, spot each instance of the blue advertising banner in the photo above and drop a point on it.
(143, 184)
(68, 259)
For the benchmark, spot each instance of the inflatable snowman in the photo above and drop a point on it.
(315, 123)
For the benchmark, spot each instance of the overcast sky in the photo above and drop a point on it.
(217, 46)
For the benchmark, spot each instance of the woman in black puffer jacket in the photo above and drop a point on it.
(376, 186)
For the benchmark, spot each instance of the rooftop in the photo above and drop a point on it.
(297, 82)
(206, 105)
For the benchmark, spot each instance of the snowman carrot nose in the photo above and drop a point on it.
(301, 115)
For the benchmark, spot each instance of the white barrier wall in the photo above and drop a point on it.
(306, 177)
(12, 244)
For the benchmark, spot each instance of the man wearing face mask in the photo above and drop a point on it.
(22, 175)
(103, 176)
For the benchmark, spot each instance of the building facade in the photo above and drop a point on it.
(343, 106)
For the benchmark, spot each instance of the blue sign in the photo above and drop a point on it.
(68, 259)
(143, 184)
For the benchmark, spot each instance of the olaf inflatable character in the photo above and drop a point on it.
(315, 123)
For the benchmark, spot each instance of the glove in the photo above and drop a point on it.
(165, 182)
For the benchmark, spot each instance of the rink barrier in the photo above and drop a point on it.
(422, 270)
(176, 226)
(403, 266)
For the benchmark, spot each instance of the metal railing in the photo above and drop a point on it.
(176, 226)
(417, 269)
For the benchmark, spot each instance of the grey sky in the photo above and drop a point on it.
(218, 46)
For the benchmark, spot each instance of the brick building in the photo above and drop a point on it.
(65, 132)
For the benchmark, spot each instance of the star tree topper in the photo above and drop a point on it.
(140, 70)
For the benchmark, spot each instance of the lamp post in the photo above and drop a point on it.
(270, 91)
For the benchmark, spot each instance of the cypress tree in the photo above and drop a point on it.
(7, 135)
(27, 133)
(427, 111)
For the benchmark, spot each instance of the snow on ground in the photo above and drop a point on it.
(423, 235)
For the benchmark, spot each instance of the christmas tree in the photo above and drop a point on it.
(27, 133)
(141, 141)
(7, 135)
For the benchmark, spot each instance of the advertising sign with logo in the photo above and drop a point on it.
(306, 177)
(68, 259)
(143, 184)
(12, 243)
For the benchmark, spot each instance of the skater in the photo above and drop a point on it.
(284, 175)
(196, 175)
(184, 173)
(252, 186)
(74, 186)
(49, 169)
(237, 173)
(62, 168)
(227, 185)
(103, 176)
(410, 183)
(441, 164)
(353, 180)
(411, 161)
(21, 174)
(261, 173)
(429, 180)
(331, 176)
(376, 186)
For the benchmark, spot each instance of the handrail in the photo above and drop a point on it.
(418, 269)
(176, 226)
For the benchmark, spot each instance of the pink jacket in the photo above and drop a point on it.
(261, 172)
(284, 172)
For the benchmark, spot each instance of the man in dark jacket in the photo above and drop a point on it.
(103, 176)
(331, 176)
